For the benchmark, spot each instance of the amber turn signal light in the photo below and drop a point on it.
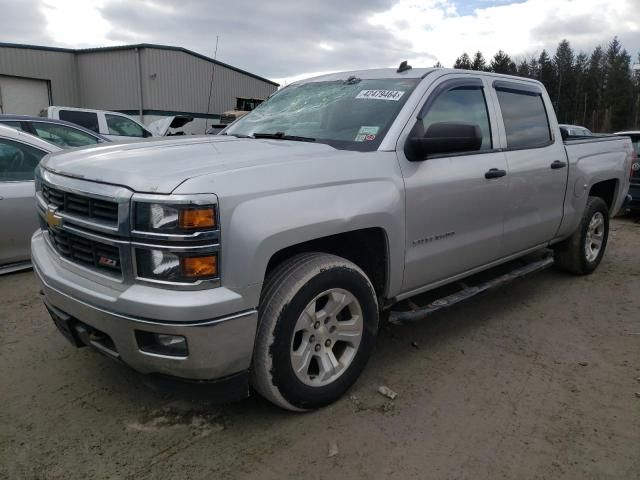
(193, 218)
(199, 266)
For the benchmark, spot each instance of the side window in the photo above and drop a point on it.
(525, 118)
(123, 126)
(462, 104)
(12, 124)
(18, 160)
(63, 136)
(84, 119)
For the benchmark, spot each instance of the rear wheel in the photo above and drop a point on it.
(318, 323)
(582, 252)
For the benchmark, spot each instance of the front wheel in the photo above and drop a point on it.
(582, 252)
(317, 328)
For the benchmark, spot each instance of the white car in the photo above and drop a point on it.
(20, 153)
(115, 126)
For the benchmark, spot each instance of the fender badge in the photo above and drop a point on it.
(53, 219)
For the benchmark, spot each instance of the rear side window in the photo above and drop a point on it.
(18, 160)
(84, 119)
(123, 126)
(463, 104)
(63, 136)
(12, 124)
(525, 118)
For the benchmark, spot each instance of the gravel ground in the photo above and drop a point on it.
(539, 379)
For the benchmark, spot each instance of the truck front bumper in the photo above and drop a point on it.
(216, 348)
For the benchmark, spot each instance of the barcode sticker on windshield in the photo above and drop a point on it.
(393, 95)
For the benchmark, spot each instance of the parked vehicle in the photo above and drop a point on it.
(575, 131)
(60, 133)
(634, 181)
(269, 253)
(115, 126)
(20, 153)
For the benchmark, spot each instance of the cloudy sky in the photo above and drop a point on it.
(288, 39)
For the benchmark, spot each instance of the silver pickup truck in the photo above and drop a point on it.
(268, 255)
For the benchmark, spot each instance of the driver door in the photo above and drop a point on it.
(454, 210)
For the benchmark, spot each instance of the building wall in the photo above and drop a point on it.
(172, 80)
(58, 67)
(109, 80)
(176, 81)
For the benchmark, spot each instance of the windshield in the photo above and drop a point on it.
(352, 115)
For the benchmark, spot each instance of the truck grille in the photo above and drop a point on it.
(87, 207)
(86, 252)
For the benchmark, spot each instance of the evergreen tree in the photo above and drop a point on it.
(502, 63)
(619, 87)
(565, 99)
(479, 63)
(524, 69)
(438, 65)
(534, 70)
(580, 72)
(547, 74)
(594, 87)
(463, 61)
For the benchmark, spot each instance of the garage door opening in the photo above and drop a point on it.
(23, 96)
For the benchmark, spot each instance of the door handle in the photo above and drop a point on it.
(495, 173)
(558, 164)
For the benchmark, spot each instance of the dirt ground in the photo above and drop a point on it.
(539, 379)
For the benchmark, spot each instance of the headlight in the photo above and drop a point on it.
(174, 219)
(169, 266)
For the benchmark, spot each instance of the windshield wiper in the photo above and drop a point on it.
(282, 136)
(237, 135)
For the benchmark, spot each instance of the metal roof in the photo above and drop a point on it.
(133, 47)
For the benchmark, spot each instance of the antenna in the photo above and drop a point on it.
(215, 55)
(404, 66)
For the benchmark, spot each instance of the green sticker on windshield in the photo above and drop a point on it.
(366, 134)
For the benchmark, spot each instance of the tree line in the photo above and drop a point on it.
(600, 90)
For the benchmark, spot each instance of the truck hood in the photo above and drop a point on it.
(161, 165)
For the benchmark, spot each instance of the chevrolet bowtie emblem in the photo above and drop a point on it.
(53, 219)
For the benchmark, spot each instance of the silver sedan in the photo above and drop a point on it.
(20, 153)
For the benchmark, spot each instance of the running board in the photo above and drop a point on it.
(419, 313)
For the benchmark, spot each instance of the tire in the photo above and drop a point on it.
(577, 254)
(318, 284)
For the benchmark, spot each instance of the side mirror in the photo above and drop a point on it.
(445, 137)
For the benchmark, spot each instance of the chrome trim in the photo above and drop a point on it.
(165, 357)
(214, 248)
(202, 235)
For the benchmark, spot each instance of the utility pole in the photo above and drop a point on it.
(213, 65)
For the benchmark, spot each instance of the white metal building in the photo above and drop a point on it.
(146, 81)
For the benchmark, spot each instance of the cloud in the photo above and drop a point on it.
(272, 39)
(522, 28)
(22, 21)
(288, 39)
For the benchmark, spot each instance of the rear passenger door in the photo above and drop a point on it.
(537, 165)
(454, 210)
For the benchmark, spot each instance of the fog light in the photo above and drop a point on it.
(162, 344)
